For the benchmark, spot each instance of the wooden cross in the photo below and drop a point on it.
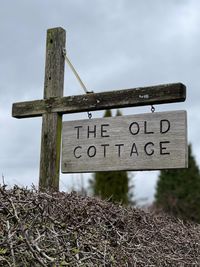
(54, 105)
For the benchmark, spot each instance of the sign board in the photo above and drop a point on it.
(148, 141)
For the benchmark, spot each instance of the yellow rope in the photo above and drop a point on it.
(75, 72)
(77, 76)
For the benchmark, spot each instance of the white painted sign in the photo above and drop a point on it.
(148, 141)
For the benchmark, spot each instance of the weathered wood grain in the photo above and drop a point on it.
(160, 94)
(148, 141)
(52, 122)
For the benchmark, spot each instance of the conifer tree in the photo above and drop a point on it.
(112, 185)
(178, 191)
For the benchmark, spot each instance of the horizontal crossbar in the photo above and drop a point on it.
(159, 94)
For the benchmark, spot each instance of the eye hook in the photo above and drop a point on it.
(89, 115)
(152, 109)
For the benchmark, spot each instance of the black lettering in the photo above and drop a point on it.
(164, 126)
(132, 126)
(134, 150)
(151, 151)
(89, 131)
(78, 132)
(145, 129)
(104, 149)
(119, 149)
(91, 152)
(104, 130)
(164, 148)
(75, 149)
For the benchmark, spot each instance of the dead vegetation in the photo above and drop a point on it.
(59, 229)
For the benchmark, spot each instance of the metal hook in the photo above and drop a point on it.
(152, 108)
(89, 115)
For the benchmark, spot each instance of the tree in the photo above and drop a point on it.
(113, 185)
(178, 191)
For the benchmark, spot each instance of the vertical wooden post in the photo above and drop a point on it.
(52, 122)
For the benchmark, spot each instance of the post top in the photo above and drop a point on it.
(56, 29)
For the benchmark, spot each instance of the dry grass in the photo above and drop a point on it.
(44, 229)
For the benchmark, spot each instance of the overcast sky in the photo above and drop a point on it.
(113, 44)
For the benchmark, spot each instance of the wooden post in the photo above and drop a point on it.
(52, 122)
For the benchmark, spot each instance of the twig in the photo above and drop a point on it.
(44, 254)
(31, 249)
(10, 243)
(3, 180)
(3, 259)
(104, 257)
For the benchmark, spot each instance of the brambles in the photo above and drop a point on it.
(59, 229)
